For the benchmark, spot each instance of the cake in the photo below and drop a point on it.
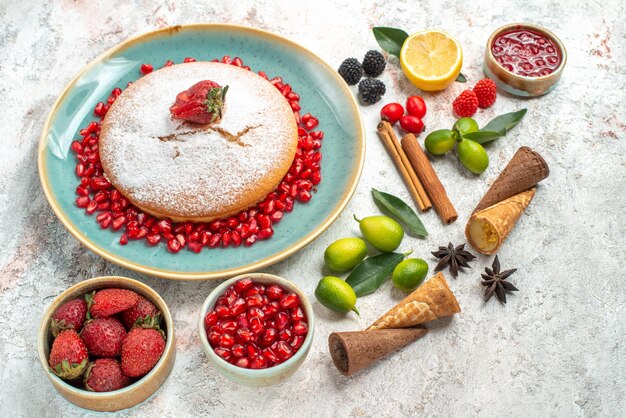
(198, 172)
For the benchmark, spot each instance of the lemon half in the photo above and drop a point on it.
(431, 59)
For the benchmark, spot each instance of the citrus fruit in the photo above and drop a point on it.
(409, 274)
(382, 232)
(465, 126)
(431, 59)
(336, 295)
(472, 155)
(441, 141)
(345, 253)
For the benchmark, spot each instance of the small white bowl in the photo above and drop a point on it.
(257, 377)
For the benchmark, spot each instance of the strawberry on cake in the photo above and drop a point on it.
(198, 141)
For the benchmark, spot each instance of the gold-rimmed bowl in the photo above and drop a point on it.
(132, 394)
(516, 84)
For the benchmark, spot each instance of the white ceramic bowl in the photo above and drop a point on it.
(257, 377)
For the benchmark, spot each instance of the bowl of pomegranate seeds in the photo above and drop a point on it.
(256, 329)
(107, 343)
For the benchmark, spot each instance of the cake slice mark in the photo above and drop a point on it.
(221, 131)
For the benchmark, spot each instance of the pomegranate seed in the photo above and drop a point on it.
(262, 74)
(210, 319)
(189, 59)
(242, 321)
(153, 239)
(243, 362)
(77, 147)
(268, 337)
(288, 204)
(255, 312)
(270, 309)
(194, 246)
(276, 216)
(243, 285)
(91, 207)
(238, 307)
(226, 239)
(274, 292)
(258, 363)
(222, 311)
(289, 301)
(238, 350)
(254, 300)
(229, 326)
(124, 239)
(297, 314)
(282, 320)
(244, 335)
(300, 328)
(223, 352)
(256, 325)
(99, 110)
(252, 350)
(82, 201)
(316, 177)
(80, 170)
(173, 245)
(99, 183)
(270, 355)
(296, 342)
(237, 61)
(214, 337)
(168, 63)
(265, 233)
(310, 124)
(215, 240)
(146, 68)
(284, 350)
(304, 196)
(284, 335)
(226, 341)
(250, 240)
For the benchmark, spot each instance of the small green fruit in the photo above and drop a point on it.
(335, 294)
(473, 156)
(344, 254)
(382, 232)
(441, 141)
(465, 126)
(409, 274)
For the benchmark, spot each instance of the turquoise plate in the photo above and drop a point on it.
(323, 94)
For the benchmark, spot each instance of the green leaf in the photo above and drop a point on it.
(372, 272)
(461, 78)
(482, 136)
(400, 210)
(390, 39)
(504, 123)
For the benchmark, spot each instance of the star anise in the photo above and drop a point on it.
(495, 281)
(455, 257)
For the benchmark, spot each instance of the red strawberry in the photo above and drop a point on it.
(466, 104)
(71, 314)
(103, 337)
(68, 355)
(202, 103)
(105, 375)
(141, 350)
(485, 91)
(107, 302)
(143, 309)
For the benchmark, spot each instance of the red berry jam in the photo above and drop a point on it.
(526, 52)
(256, 326)
(95, 194)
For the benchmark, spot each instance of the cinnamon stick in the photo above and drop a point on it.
(426, 174)
(386, 134)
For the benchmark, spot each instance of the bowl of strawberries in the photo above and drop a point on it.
(107, 343)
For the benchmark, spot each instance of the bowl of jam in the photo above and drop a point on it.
(524, 59)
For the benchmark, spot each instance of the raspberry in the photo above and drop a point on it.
(371, 90)
(351, 71)
(485, 91)
(466, 104)
(373, 63)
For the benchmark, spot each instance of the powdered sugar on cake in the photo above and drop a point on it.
(192, 170)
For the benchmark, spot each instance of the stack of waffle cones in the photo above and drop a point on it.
(505, 201)
(403, 324)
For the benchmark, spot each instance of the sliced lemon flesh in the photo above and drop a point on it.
(431, 60)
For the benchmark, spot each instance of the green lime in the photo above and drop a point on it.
(465, 126)
(345, 253)
(336, 295)
(441, 141)
(382, 232)
(473, 156)
(409, 274)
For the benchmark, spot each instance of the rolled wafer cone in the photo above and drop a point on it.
(356, 350)
(487, 229)
(430, 301)
(526, 169)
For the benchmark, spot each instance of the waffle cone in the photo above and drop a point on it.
(525, 170)
(487, 229)
(430, 301)
(354, 351)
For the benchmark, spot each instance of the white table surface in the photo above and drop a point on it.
(556, 349)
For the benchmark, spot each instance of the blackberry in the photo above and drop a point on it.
(373, 63)
(351, 71)
(371, 90)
